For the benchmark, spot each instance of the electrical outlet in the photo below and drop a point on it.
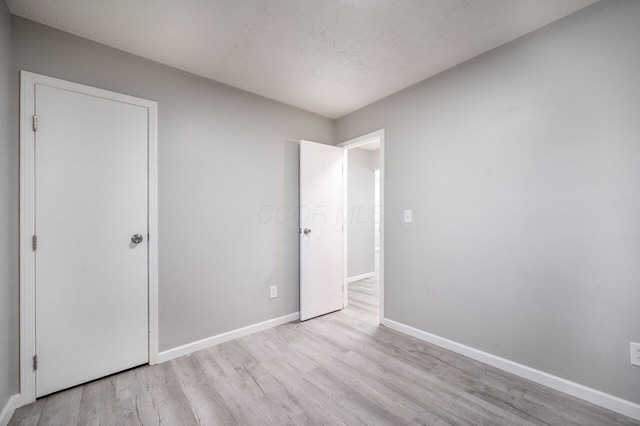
(635, 354)
(408, 216)
(273, 292)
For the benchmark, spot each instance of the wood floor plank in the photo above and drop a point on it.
(204, 399)
(170, 403)
(62, 408)
(338, 369)
(97, 405)
(29, 415)
(133, 402)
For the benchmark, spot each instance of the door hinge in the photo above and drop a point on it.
(35, 362)
(34, 242)
(35, 123)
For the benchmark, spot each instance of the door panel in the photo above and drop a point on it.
(91, 197)
(321, 248)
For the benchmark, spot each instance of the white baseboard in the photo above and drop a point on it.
(605, 400)
(8, 409)
(225, 337)
(361, 277)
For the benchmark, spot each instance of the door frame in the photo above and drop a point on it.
(27, 219)
(347, 145)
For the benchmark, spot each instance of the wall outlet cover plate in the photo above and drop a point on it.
(408, 216)
(635, 354)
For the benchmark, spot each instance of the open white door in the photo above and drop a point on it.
(321, 220)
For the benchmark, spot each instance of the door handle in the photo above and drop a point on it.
(307, 231)
(137, 239)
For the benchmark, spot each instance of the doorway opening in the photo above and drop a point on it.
(363, 190)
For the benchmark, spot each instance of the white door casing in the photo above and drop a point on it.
(88, 184)
(321, 225)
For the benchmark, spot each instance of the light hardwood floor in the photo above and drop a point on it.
(342, 368)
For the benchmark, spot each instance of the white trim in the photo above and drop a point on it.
(152, 223)
(27, 219)
(345, 228)
(354, 143)
(9, 408)
(361, 277)
(610, 402)
(225, 337)
(27, 230)
(362, 140)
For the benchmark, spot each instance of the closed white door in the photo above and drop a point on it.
(91, 275)
(321, 225)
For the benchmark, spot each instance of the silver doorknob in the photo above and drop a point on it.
(307, 231)
(137, 239)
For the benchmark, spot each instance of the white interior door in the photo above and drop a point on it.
(91, 198)
(321, 220)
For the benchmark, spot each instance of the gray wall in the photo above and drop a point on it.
(522, 167)
(361, 209)
(223, 155)
(8, 224)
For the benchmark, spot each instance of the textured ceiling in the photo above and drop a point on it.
(326, 56)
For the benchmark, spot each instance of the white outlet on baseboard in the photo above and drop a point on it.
(635, 354)
(273, 291)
